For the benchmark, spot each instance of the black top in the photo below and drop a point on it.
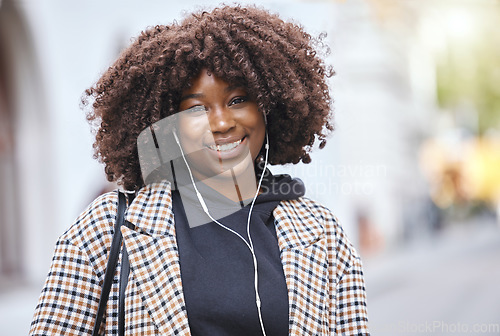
(217, 268)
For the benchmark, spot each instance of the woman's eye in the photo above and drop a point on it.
(238, 100)
(194, 111)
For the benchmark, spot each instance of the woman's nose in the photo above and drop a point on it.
(221, 119)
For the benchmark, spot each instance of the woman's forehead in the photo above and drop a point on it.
(208, 77)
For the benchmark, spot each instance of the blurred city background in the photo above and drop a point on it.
(412, 170)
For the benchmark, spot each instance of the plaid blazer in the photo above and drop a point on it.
(323, 272)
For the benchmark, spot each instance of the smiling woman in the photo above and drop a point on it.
(188, 118)
(275, 61)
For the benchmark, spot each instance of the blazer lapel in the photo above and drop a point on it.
(302, 242)
(154, 258)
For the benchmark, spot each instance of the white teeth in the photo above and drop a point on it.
(225, 147)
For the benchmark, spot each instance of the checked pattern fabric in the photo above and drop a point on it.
(324, 276)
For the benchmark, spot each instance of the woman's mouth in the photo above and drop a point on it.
(225, 147)
(227, 153)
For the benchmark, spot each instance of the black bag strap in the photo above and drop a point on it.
(124, 273)
(111, 265)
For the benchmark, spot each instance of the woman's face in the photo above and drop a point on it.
(227, 134)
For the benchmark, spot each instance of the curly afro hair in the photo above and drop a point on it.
(275, 60)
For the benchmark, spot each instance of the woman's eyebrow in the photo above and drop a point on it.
(192, 96)
(201, 95)
(233, 87)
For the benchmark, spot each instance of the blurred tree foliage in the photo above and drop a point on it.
(469, 71)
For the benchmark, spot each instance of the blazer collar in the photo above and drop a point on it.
(296, 226)
(151, 210)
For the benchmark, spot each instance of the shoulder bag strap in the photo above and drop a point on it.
(112, 261)
(124, 273)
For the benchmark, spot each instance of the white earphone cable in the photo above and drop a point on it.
(250, 243)
(250, 237)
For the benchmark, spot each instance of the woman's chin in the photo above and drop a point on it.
(240, 167)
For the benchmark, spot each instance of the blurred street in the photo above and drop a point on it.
(16, 310)
(447, 284)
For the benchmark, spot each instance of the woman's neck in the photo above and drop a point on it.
(237, 188)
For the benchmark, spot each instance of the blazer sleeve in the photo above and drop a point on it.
(70, 297)
(351, 316)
